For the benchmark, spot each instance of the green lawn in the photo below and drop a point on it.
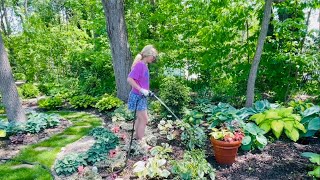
(82, 123)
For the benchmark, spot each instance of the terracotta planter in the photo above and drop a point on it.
(225, 152)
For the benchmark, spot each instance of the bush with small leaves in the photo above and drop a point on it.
(83, 101)
(50, 103)
(174, 94)
(108, 102)
(29, 91)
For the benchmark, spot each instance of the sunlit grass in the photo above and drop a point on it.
(82, 123)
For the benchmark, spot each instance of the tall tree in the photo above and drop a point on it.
(8, 89)
(257, 56)
(118, 36)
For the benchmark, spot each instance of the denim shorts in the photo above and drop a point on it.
(137, 100)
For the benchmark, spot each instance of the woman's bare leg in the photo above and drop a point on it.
(141, 123)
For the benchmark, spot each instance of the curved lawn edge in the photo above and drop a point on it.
(82, 123)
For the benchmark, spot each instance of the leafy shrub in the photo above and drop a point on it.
(20, 76)
(108, 102)
(122, 113)
(174, 94)
(70, 164)
(29, 91)
(193, 166)
(45, 88)
(50, 103)
(83, 101)
(315, 159)
(278, 120)
(192, 136)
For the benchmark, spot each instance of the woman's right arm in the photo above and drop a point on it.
(133, 83)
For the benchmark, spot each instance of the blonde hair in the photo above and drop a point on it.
(148, 50)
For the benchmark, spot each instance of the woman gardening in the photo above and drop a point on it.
(138, 78)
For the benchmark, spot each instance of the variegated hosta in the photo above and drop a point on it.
(278, 120)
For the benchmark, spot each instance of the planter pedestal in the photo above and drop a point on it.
(225, 152)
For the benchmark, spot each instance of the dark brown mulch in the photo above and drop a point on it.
(279, 160)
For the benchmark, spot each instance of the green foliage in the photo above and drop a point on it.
(105, 141)
(174, 94)
(222, 114)
(192, 136)
(311, 120)
(278, 120)
(83, 101)
(315, 159)
(299, 106)
(254, 137)
(69, 164)
(155, 166)
(122, 113)
(108, 102)
(19, 76)
(193, 166)
(29, 90)
(45, 88)
(192, 117)
(40, 121)
(50, 103)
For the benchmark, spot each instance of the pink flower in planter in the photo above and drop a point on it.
(80, 169)
(112, 153)
(115, 129)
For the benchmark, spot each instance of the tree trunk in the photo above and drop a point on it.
(257, 56)
(118, 37)
(6, 18)
(8, 89)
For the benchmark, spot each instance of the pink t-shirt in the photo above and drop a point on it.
(140, 74)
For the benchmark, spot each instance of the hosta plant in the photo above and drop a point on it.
(311, 120)
(50, 103)
(70, 164)
(122, 113)
(83, 101)
(192, 136)
(167, 128)
(153, 168)
(108, 102)
(193, 166)
(278, 120)
(315, 159)
(254, 137)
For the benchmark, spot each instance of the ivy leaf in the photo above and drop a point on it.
(277, 127)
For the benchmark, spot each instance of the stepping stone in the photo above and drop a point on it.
(80, 146)
(22, 166)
